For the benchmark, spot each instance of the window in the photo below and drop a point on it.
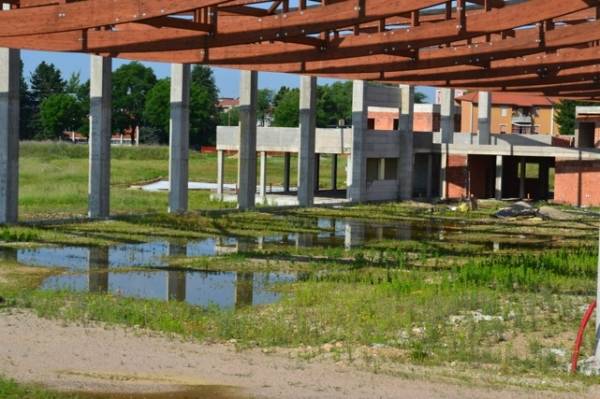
(372, 169)
(371, 124)
(391, 169)
(504, 111)
(396, 123)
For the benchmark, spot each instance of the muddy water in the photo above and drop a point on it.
(102, 269)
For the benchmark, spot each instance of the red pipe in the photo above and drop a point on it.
(586, 318)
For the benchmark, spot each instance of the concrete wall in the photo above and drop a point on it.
(287, 139)
(577, 182)
(426, 118)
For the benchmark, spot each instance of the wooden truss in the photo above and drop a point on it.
(547, 47)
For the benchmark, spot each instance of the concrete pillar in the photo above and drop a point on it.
(244, 289)
(498, 180)
(176, 279)
(179, 137)
(522, 176)
(443, 167)
(306, 155)
(247, 140)
(406, 157)
(9, 134)
(99, 136)
(381, 169)
(334, 170)
(286, 172)
(447, 115)
(429, 184)
(357, 166)
(354, 234)
(484, 115)
(544, 178)
(263, 176)
(317, 171)
(220, 174)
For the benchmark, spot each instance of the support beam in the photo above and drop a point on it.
(286, 172)
(498, 180)
(447, 115)
(9, 135)
(247, 140)
(443, 169)
(544, 178)
(317, 172)
(100, 135)
(357, 167)
(406, 156)
(263, 176)
(484, 115)
(179, 138)
(522, 176)
(306, 155)
(220, 174)
(98, 261)
(334, 171)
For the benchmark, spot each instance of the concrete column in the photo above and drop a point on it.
(429, 185)
(406, 156)
(498, 180)
(306, 155)
(247, 141)
(220, 174)
(317, 171)
(357, 166)
(522, 176)
(484, 115)
(244, 289)
(447, 115)
(263, 176)
(9, 134)
(544, 178)
(334, 169)
(179, 137)
(443, 167)
(286, 172)
(381, 169)
(100, 135)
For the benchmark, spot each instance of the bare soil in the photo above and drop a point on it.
(114, 362)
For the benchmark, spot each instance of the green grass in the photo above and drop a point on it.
(11, 390)
(53, 178)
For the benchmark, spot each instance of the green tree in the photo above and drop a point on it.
(334, 103)
(59, 113)
(46, 80)
(420, 98)
(203, 114)
(130, 86)
(263, 105)
(229, 118)
(26, 109)
(279, 95)
(286, 114)
(203, 76)
(565, 115)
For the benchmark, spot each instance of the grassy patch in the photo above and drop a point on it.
(11, 390)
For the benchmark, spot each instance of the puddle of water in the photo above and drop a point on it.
(197, 392)
(97, 268)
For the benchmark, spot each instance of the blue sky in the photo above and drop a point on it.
(227, 79)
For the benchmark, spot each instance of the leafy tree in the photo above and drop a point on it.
(286, 114)
(59, 113)
(565, 115)
(334, 103)
(279, 95)
(26, 108)
(46, 80)
(263, 105)
(130, 86)
(203, 76)
(229, 118)
(203, 115)
(420, 98)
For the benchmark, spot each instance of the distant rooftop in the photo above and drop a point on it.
(507, 98)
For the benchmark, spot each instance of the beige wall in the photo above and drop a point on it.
(469, 119)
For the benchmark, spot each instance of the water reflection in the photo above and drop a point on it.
(101, 269)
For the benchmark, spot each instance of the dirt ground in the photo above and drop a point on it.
(100, 360)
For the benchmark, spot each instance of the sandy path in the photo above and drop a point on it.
(70, 357)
